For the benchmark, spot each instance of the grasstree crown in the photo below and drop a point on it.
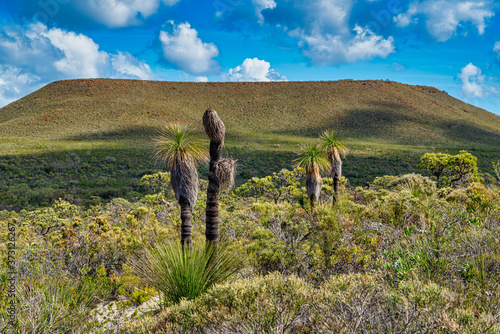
(214, 127)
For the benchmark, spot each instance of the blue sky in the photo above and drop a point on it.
(451, 45)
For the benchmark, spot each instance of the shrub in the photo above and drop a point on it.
(269, 304)
(180, 272)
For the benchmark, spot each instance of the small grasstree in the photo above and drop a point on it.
(182, 153)
(220, 174)
(312, 160)
(334, 150)
(178, 272)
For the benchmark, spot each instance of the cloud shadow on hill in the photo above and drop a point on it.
(145, 133)
(385, 121)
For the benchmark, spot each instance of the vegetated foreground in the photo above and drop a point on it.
(402, 256)
(406, 254)
(82, 138)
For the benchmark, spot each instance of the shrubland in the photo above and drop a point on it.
(404, 254)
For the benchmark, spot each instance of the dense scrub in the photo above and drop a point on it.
(89, 176)
(401, 255)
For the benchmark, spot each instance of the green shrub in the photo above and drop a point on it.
(266, 304)
(180, 272)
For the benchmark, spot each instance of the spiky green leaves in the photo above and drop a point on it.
(331, 145)
(311, 157)
(180, 272)
(175, 146)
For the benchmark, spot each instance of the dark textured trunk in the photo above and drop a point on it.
(186, 226)
(336, 185)
(336, 174)
(212, 208)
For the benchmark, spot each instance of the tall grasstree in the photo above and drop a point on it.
(182, 153)
(312, 160)
(334, 150)
(220, 174)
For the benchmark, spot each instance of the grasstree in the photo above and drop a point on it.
(182, 153)
(334, 150)
(220, 174)
(314, 163)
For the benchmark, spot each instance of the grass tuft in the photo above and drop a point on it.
(181, 272)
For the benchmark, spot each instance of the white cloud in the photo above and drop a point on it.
(324, 34)
(443, 17)
(14, 83)
(119, 13)
(201, 79)
(397, 67)
(254, 70)
(405, 19)
(183, 48)
(51, 53)
(334, 49)
(36, 55)
(126, 65)
(473, 82)
(496, 49)
(82, 57)
(260, 5)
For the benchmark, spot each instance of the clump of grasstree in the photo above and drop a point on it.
(316, 158)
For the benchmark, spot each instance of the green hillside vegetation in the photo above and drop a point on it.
(94, 136)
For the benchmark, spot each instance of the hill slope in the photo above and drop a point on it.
(378, 111)
(82, 138)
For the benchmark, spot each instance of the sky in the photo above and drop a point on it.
(453, 45)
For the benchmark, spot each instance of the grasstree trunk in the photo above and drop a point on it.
(313, 185)
(184, 179)
(215, 129)
(186, 226)
(336, 174)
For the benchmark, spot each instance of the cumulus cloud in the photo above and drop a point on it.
(333, 49)
(254, 69)
(52, 51)
(111, 13)
(118, 13)
(126, 65)
(473, 82)
(14, 83)
(444, 17)
(81, 55)
(324, 33)
(183, 48)
(36, 55)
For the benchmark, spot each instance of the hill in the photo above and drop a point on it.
(379, 111)
(94, 135)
